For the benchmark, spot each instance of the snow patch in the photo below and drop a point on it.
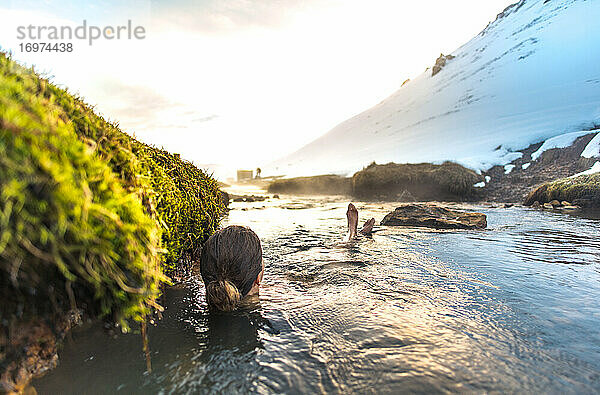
(593, 148)
(508, 169)
(487, 179)
(594, 169)
(512, 156)
(479, 185)
(524, 166)
(561, 141)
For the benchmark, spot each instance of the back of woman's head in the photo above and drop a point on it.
(231, 262)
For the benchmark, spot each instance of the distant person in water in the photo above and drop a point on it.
(232, 267)
(352, 215)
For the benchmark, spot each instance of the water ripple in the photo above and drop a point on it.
(510, 309)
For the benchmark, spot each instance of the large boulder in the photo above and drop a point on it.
(440, 62)
(434, 216)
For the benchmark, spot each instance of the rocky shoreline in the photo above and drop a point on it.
(527, 174)
(29, 349)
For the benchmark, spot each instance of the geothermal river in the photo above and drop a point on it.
(514, 308)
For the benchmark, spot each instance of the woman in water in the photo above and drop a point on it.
(232, 267)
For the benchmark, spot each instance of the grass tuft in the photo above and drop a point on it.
(424, 181)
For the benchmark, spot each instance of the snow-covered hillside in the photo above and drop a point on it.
(532, 74)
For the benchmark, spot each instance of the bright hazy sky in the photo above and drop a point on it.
(241, 83)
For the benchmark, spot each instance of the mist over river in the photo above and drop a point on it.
(513, 308)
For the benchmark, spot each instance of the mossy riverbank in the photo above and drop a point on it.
(583, 191)
(91, 219)
(422, 181)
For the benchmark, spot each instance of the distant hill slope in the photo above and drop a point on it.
(532, 74)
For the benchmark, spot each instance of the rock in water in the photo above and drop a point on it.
(433, 216)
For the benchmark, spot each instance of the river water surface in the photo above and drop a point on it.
(514, 308)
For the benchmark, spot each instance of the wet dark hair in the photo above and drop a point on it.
(231, 262)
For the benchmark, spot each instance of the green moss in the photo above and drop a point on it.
(188, 202)
(185, 200)
(582, 190)
(89, 216)
(71, 234)
(321, 185)
(424, 181)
